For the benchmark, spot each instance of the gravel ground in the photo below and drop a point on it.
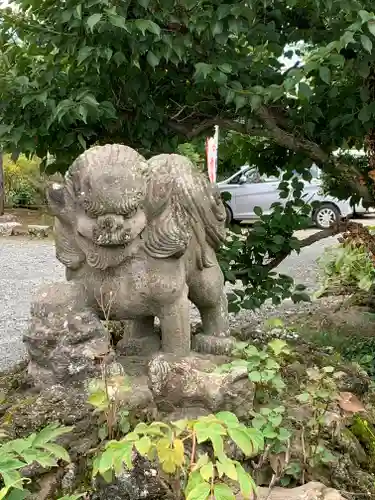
(26, 264)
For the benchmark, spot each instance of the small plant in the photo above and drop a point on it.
(107, 396)
(320, 391)
(269, 422)
(18, 453)
(204, 475)
(262, 365)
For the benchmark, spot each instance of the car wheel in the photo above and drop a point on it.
(326, 215)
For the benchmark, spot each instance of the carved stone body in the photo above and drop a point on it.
(141, 237)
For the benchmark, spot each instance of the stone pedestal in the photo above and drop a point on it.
(66, 342)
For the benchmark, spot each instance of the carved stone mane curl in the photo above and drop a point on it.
(182, 204)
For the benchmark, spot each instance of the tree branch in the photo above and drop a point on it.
(190, 131)
(315, 152)
(310, 240)
(271, 128)
(288, 140)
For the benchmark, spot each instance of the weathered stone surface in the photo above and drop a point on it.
(310, 491)
(140, 483)
(190, 386)
(65, 340)
(6, 228)
(38, 231)
(141, 237)
(8, 218)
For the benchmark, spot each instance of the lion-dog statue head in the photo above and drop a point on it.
(112, 197)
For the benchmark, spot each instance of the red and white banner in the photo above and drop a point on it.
(212, 144)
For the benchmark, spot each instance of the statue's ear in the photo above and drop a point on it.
(56, 197)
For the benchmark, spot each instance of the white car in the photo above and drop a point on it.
(249, 189)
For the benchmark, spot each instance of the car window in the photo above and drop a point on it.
(253, 177)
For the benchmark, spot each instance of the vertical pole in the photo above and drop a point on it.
(212, 144)
(2, 192)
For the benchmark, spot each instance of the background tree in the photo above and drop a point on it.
(155, 76)
(78, 73)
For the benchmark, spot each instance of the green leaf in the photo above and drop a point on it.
(269, 432)
(103, 432)
(4, 129)
(200, 492)
(207, 471)
(227, 418)
(255, 101)
(365, 114)
(226, 466)
(18, 494)
(106, 461)
(50, 433)
(84, 53)
(11, 477)
(57, 451)
(246, 482)
(144, 25)
(325, 74)
(371, 26)
(41, 457)
(93, 20)
(304, 397)
(364, 15)
(284, 434)
(366, 43)
(223, 492)
(258, 211)
(152, 59)
(225, 68)
(98, 399)
(250, 441)
(144, 3)
(304, 90)
(278, 346)
(143, 445)
(202, 70)
(118, 21)
(255, 376)
(10, 464)
(119, 58)
(240, 101)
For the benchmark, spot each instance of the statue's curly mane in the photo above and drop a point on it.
(182, 204)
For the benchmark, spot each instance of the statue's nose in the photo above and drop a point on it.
(109, 222)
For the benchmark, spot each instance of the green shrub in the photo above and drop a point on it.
(23, 182)
(346, 268)
(18, 453)
(192, 455)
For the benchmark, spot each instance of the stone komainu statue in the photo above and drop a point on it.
(140, 238)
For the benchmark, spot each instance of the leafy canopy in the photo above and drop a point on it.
(154, 75)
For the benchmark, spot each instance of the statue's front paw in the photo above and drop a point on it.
(210, 344)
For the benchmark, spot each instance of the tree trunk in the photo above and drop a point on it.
(2, 192)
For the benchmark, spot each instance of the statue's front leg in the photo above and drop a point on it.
(175, 325)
